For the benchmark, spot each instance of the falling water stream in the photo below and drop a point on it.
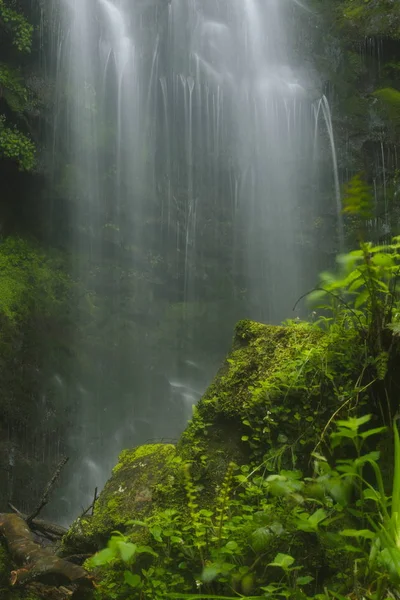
(188, 127)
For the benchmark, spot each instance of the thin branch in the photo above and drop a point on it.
(49, 487)
(318, 289)
(49, 530)
(91, 506)
(94, 500)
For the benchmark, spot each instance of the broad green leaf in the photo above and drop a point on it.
(362, 298)
(304, 580)
(231, 546)
(103, 557)
(282, 560)
(317, 517)
(156, 532)
(369, 494)
(383, 260)
(127, 550)
(261, 538)
(132, 579)
(146, 550)
(210, 573)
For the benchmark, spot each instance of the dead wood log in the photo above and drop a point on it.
(37, 563)
(52, 531)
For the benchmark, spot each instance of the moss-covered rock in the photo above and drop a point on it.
(268, 403)
(272, 396)
(267, 407)
(130, 494)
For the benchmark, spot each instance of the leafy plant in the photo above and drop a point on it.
(17, 26)
(16, 146)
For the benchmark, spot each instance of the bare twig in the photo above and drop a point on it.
(94, 500)
(318, 289)
(49, 487)
(91, 505)
(14, 509)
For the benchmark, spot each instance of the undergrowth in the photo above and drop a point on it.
(328, 530)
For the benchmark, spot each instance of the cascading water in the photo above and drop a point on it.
(187, 136)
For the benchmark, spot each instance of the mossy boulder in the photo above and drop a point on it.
(267, 406)
(129, 494)
(268, 403)
(273, 396)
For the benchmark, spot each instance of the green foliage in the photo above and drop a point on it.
(358, 198)
(364, 294)
(390, 99)
(17, 26)
(12, 88)
(16, 146)
(29, 280)
(370, 17)
(14, 143)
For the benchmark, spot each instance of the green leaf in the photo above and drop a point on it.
(231, 546)
(103, 557)
(361, 298)
(390, 559)
(366, 434)
(132, 579)
(284, 561)
(126, 550)
(210, 573)
(261, 538)
(359, 533)
(156, 533)
(304, 580)
(354, 423)
(383, 260)
(146, 550)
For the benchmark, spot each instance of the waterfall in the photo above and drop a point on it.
(184, 145)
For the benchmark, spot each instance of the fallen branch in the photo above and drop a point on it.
(37, 563)
(49, 487)
(50, 530)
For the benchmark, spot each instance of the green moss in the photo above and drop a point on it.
(29, 279)
(371, 17)
(131, 493)
(390, 102)
(273, 394)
